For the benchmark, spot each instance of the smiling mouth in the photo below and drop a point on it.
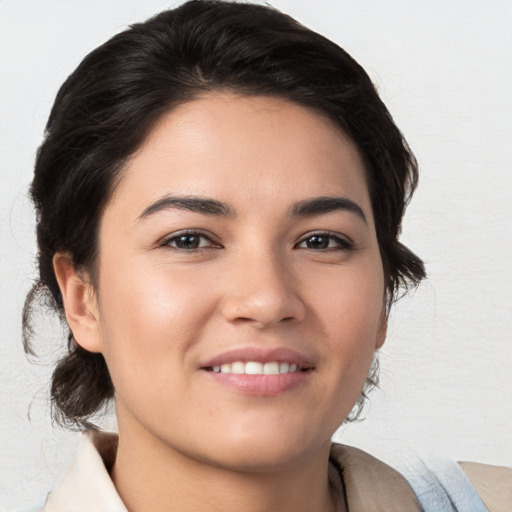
(255, 372)
(257, 368)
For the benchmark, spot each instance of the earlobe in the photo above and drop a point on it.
(80, 303)
(382, 329)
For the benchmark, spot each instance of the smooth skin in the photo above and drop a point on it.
(178, 287)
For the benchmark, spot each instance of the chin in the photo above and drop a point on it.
(270, 449)
(258, 459)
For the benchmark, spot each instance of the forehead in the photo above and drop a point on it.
(242, 149)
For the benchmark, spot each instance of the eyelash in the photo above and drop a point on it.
(166, 242)
(341, 243)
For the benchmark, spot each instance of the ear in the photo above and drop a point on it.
(382, 328)
(80, 304)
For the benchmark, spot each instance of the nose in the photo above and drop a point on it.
(262, 292)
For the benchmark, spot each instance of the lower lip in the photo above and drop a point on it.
(260, 385)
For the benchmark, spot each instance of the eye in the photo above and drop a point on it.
(324, 241)
(189, 241)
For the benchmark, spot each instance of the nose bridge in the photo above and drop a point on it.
(262, 288)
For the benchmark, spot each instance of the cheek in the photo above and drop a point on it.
(346, 305)
(349, 306)
(151, 297)
(148, 322)
(350, 300)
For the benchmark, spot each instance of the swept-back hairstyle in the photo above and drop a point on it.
(109, 104)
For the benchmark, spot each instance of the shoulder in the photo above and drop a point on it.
(436, 483)
(493, 484)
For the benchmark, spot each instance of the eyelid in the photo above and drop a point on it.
(344, 242)
(165, 241)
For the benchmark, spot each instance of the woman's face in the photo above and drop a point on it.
(240, 290)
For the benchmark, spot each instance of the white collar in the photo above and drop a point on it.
(87, 472)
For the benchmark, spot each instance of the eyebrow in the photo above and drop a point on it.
(322, 205)
(207, 206)
(191, 203)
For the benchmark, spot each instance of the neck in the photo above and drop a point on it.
(152, 476)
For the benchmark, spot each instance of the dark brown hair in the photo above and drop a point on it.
(109, 104)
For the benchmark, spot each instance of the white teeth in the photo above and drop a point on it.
(253, 368)
(271, 368)
(257, 368)
(237, 367)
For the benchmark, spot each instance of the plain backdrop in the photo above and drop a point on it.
(444, 71)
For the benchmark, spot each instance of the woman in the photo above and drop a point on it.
(233, 317)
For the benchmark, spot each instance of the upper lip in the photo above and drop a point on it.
(260, 355)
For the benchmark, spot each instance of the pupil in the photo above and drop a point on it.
(188, 242)
(318, 242)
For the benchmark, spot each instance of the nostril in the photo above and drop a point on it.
(262, 307)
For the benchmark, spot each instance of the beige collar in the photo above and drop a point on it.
(369, 485)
